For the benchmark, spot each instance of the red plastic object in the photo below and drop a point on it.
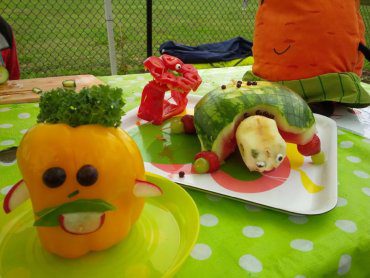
(169, 74)
(11, 61)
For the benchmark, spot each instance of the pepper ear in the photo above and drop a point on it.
(17, 195)
(146, 189)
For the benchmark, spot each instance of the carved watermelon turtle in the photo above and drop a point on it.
(259, 118)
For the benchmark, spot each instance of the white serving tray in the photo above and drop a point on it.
(290, 195)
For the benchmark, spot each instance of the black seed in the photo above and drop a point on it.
(238, 85)
(254, 83)
(54, 177)
(87, 175)
(223, 87)
(249, 83)
(181, 174)
(239, 82)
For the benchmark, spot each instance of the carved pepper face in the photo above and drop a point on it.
(81, 182)
(301, 39)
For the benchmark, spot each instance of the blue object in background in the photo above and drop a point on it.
(234, 48)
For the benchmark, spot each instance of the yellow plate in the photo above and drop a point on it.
(157, 246)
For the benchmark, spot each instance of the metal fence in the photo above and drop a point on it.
(63, 37)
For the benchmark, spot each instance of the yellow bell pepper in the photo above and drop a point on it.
(84, 175)
(118, 162)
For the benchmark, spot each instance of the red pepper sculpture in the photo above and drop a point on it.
(170, 74)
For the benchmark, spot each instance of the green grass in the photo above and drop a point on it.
(64, 37)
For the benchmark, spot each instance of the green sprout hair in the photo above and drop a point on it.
(101, 105)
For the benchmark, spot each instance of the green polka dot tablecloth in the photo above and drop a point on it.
(241, 240)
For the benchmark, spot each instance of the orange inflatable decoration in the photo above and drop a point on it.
(302, 39)
(316, 48)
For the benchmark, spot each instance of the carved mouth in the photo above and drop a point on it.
(282, 52)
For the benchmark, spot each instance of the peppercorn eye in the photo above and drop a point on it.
(87, 175)
(54, 177)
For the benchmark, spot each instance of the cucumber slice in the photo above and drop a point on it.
(37, 90)
(4, 75)
(69, 84)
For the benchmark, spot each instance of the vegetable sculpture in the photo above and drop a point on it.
(84, 175)
(313, 47)
(258, 118)
(170, 74)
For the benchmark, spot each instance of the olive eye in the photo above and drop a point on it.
(178, 67)
(54, 177)
(279, 157)
(260, 164)
(87, 175)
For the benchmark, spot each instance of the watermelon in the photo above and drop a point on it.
(218, 114)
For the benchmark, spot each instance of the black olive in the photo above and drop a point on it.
(249, 83)
(54, 177)
(181, 174)
(238, 85)
(223, 87)
(87, 175)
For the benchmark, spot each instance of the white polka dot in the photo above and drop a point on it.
(7, 142)
(346, 226)
(346, 144)
(298, 219)
(214, 198)
(201, 252)
(361, 174)
(130, 99)
(6, 164)
(250, 263)
(339, 132)
(366, 141)
(208, 220)
(252, 208)
(344, 264)
(4, 109)
(353, 159)
(23, 131)
(6, 125)
(341, 202)
(6, 189)
(253, 231)
(24, 115)
(366, 190)
(303, 245)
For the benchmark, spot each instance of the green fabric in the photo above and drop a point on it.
(233, 63)
(342, 87)
(241, 240)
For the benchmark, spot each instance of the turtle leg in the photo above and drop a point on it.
(313, 149)
(206, 162)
